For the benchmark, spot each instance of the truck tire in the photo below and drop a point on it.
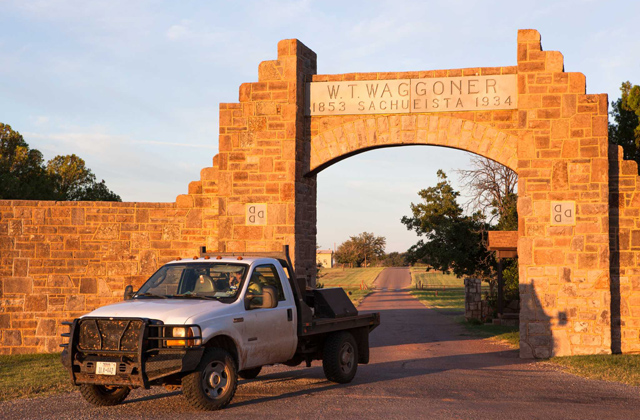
(250, 373)
(340, 357)
(102, 396)
(213, 384)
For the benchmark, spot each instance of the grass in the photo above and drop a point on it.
(350, 279)
(444, 292)
(623, 368)
(30, 375)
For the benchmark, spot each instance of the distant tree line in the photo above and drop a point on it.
(24, 175)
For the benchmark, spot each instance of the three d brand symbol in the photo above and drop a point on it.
(559, 213)
(256, 214)
(563, 212)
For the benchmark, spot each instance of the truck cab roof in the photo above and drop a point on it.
(225, 260)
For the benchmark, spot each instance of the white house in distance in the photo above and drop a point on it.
(324, 257)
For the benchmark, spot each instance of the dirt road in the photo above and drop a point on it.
(423, 365)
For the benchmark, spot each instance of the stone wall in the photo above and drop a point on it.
(61, 260)
(624, 187)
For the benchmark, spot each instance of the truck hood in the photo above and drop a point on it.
(169, 311)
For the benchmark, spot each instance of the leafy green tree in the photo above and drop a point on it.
(625, 130)
(75, 182)
(24, 176)
(452, 241)
(361, 249)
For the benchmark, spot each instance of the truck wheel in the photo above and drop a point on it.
(250, 373)
(340, 357)
(212, 385)
(102, 395)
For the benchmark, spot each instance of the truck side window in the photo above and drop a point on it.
(269, 275)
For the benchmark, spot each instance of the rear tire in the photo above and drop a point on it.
(102, 396)
(340, 357)
(250, 373)
(213, 384)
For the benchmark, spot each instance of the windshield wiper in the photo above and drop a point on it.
(192, 296)
(151, 295)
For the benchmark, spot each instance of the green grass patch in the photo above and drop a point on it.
(449, 300)
(351, 279)
(30, 375)
(623, 368)
(428, 279)
(444, 292)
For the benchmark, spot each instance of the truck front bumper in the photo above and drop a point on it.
(150, 361)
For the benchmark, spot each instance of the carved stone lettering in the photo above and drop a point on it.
(443, 94)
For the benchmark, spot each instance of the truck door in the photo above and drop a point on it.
(270, 333)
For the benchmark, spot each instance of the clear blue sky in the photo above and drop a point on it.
(133, 87)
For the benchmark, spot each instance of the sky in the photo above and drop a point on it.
(133, 87)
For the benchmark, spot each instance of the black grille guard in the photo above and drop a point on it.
(72, 351)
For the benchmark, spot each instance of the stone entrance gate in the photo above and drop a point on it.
(579, 203)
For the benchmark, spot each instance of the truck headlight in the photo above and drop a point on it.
(185, 332)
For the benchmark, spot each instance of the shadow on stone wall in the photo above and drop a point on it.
(614, 254)
(536, 337)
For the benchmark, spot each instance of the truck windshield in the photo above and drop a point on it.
(195, 280)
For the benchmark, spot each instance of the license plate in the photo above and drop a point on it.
(106, 368)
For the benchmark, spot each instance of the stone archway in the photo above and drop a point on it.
(579, 280)
(354, 137)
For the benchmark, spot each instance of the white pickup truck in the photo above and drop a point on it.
(201, 323)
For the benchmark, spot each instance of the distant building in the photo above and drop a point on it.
(324, 257)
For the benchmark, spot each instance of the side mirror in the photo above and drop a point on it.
(128, 292)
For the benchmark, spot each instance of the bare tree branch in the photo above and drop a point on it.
(490, 185)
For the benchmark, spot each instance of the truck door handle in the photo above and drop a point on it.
(235, 320)
(289, 315)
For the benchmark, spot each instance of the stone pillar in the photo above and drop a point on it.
(562, 156)
(263, 154)
(473, 299)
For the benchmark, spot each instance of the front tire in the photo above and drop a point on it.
(102, 396)
(340, 357)
(250, 373)
(213, 384)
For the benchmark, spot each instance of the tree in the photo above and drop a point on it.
(453, 241)
(24, 176)
(493, 191)
(75, 182)
(625, 131)
(361, 249)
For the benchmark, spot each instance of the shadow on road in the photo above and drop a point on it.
(152, 397)
(387, 371)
